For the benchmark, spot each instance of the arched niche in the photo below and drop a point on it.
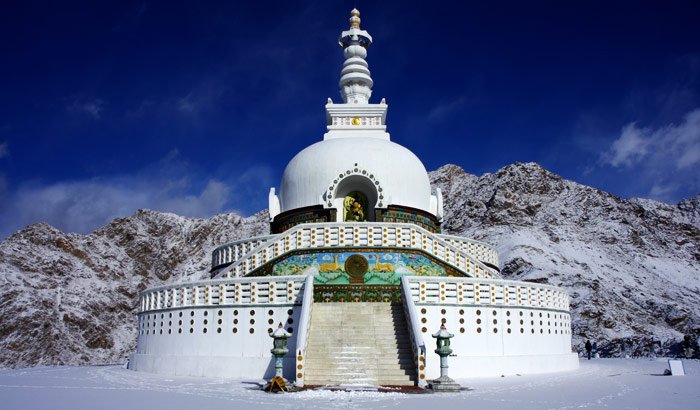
(353, 192)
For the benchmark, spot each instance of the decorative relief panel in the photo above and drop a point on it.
(353, 293)
(398, 214)
(336, 268)
(356, 121)
(290, 219)
(330, 192)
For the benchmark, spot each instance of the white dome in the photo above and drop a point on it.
(330, 168)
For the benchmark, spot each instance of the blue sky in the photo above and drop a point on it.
(196, 107)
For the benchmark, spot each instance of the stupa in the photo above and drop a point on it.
(359, 273)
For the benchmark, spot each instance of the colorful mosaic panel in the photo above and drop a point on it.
(354, 293)
(408, 215)
(295, 217)
(382, 268)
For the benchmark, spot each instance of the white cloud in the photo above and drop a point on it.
(142, 109)
(93, 108)
(667, 157)
(202, 97)
(187, 105)
(673, 144)
(630, 148)
(209, 201)
(170, 185)
(4, 150)
(443, 110)
(81, 206)
(659, 190)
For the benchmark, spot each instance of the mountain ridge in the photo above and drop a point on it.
(632, 267)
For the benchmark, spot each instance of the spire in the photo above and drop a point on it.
(355, 18)
(355, 81)
(356, 117)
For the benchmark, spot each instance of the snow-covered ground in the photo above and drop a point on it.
(600, 383)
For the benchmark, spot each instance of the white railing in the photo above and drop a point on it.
(488, 292)
(303, 330)
(280, 290)
(479, 250)
(364, 234)
(231, 252)
(414, 330)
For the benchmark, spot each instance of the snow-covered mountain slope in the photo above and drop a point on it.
(71, 299)
(632, 267)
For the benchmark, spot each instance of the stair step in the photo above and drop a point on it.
(389, 354)
(349, 348)
(324, 373)
(359, 370)
(398, 363)
(373, 350)
(354, 378)
(358, 340)
(407, 368)
(388, 328)
(360, 380)
(345, 330)
(354, 361)
(359, 343)
(359, 335)
(373, 382)
(351, 352)
(376, 350)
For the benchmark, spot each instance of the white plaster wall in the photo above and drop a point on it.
(162, 348)
(482, 348)
(211, 366)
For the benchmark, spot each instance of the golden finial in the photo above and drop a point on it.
(355, 18)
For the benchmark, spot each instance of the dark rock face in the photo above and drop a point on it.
(632, 267)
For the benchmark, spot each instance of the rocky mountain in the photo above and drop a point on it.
(632, 267)
(71, 299)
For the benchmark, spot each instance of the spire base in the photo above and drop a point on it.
(355, 120)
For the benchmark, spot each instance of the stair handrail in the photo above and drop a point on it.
(254, 241)
(304, 320)
(493, 253)
(416, 336)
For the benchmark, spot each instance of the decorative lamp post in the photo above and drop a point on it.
(279, 350)
(444, 383)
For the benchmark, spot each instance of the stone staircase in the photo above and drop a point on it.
(359, 343)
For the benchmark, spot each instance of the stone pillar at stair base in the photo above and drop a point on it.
(444, 383)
